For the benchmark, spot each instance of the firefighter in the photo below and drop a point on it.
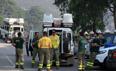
(55, 48)
(44, 46)
(94, 48)
(101, 39)
(87, 46)
(35, 47)
(18, 43)
(81, 51)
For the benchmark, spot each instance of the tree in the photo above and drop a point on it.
(1, 19)
(111, 5)
(87, 13)
(34, 17)
(8, 8)
(62, 5)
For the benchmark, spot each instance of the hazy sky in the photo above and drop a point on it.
(46, 5)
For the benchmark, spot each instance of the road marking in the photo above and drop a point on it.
(10, 61)
(11, 70)
(3, 45)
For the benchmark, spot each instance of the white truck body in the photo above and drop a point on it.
(13, 25)
(62, 27)
(60, 32)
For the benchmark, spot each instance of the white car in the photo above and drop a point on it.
(103, 54)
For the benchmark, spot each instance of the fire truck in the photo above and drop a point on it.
(63, 28)
(11, 26)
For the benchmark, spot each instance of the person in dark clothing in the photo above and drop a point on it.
(35, 47)
(94, 48)
(26, 45)
(101, 39)
(96, 43)
(18, 44)
(30, 47)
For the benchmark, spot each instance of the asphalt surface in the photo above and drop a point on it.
(7, 61)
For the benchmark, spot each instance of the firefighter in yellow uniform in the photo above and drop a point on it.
(55, 48)
(44, 46)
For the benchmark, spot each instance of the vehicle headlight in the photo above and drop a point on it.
(102, 52)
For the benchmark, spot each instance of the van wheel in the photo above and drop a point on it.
(68, 62)
(104, 65)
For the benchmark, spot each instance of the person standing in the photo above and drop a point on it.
(18, 44)
(55, 48)
(94, 48)
(35, 47)
(44, 46)
(81, 51)
(87, 46)
(26, 45)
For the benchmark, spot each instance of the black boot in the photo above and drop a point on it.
(39, 69)
(32, 65)
(33, 62)
(21, 67)
(48, 69)
(16, 66)
(57, 67)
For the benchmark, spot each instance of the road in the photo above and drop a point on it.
(7, 60)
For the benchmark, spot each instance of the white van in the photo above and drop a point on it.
(13, 25)
(66, 44)
(15, 28)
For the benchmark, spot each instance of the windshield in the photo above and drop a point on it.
(16, 28)
(59, 32)
(110, 40)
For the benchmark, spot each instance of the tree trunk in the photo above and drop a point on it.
(114, 14)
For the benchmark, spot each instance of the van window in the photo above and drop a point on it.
(10, 29)
(69, 36)
(59, 32)
(16, 28)
(22, 29)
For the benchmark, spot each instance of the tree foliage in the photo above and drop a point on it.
(34, 16)
(1, 19)
(8, 8)
(88, 13)
(111, 5)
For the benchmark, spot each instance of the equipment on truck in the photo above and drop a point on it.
(63, 28)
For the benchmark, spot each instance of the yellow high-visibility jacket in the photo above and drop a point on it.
(55, 41)
(45, 42)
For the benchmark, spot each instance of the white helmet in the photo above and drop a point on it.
(98, 31)
(86, 33)
(91, 32)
